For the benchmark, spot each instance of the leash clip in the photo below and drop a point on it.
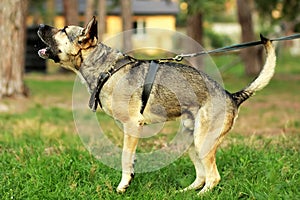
(178, 58)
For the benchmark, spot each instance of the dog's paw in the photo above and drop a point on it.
(125, 182)
(204, 191)
(121, 189)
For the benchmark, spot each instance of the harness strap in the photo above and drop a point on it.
(148, 84)
(94, 99)
(103, 77)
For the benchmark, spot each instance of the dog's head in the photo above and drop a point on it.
(70, 45)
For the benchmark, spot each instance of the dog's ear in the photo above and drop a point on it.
(91, 29)
(90, 32)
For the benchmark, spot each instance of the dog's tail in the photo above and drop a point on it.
(263, 78)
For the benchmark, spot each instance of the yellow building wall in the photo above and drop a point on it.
(113, 25)
(161, 21)
(157, 38)
(59, 22)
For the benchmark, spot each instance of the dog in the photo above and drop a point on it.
(207, 110)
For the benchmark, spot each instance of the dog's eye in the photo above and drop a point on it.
(79, 42)
(65, 31)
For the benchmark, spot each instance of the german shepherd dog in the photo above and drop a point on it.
(208, 111)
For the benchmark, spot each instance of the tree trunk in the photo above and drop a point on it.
(195, 27)
(89, 10)
(101, 19)
(289, 29)
(71, 12)
(195, 31)
(127, 24)
(12, 51)
(251, 56)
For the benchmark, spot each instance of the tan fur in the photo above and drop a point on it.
(207, 110)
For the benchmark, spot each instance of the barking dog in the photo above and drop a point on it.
(208, 111)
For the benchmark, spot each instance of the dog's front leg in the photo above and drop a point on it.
(131, 137)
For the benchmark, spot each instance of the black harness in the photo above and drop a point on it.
(104, 76)
(148, 84)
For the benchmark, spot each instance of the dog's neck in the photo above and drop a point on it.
(101, 59)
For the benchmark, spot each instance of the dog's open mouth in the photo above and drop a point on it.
(43, 53)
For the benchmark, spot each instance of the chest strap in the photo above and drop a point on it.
(148, 84)
(103, 77)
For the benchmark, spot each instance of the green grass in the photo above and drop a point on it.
(42, 156)
(36, 167)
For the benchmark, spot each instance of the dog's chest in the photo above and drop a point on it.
(121, 94)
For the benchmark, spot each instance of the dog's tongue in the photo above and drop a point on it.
(43, 53)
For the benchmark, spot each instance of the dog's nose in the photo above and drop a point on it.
(42, 27)
(47, 28)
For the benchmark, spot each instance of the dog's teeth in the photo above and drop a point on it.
(43, 53)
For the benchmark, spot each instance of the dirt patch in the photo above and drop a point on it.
(269, 115)
(14, 105)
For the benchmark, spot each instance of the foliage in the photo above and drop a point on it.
(206, 7)
(217, 40)
(276, 12)
(287, 9)
(37, 6)
(210, 9)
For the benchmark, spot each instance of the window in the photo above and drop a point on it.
(139, 27)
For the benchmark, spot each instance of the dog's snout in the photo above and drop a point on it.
(46, 28)
(42, 26)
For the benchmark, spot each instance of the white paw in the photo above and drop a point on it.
(121, 189)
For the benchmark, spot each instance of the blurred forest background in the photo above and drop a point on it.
(211, 23)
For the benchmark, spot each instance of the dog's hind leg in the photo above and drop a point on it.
(209, 133)
(206, 136)
(131, 137)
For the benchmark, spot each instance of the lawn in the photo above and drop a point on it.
(42, 156)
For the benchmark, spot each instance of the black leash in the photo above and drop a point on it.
(180, 57)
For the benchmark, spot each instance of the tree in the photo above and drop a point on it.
(250, 56)
(126, 10)
(102, 18)
(195, 26)
(198, 11)
(89, 10)
(12, 51)
(71, 12)
(279, 12)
